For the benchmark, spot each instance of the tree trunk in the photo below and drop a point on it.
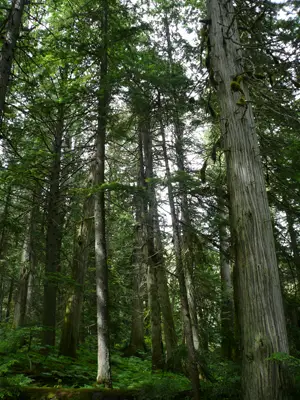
(145, 145)
(261, 315)
(21, 297)
(53, 236)
(70, 330)
(227, 303)
(104, 369)
(13, 26)
(137, 343)
(3, 246)
(9, 299)
(165, 304)
(187, 323)
(186, 245)
(294, 245)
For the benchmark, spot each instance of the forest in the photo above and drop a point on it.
(149, 199)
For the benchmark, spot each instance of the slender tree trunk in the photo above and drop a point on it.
(34, 248)
(294, 245)
(104, 369)
(187, 251)
(13, 27)
(22, 293)
(187, 323)
(70, 330)
(3, 246)
(261, 315)
(137, 342)
(165, 304)
(227, 303)
(145, 137)
(53, 236)
(9, 299)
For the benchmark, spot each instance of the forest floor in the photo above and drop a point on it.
(29, 372)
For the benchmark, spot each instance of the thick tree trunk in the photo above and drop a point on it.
(70, 330)
(13, 26)
(104, 369)
(227, 303)
(53, 236)
(187, 323)
(145, 137)
(261, 315)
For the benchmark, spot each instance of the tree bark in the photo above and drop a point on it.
(104, 369)
(261, 315)
(165, 304)
(21, 297)
(9, 299)
(186, 245)
(53, 236)
(227, 303)
(187, 323)
(3, 246)
(294, 245)
(137, 343)
(13, 27)
(70, 330)
(146, 158)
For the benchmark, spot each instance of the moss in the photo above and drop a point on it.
(242, 101)
(235, 86)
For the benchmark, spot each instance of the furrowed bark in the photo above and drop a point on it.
(261, 316)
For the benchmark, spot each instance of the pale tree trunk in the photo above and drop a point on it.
(9, 299)
(187, 240)
(261, 316)
(22, 292)
(23, 301)
(104, 369)
(145, 146)
(227, 303)
(187, 323)
(13, 27)
(53, 236)
(187, 251)
(165, 303)
(70, 330)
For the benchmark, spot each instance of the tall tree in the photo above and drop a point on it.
(260, 308)
(104, 370)
(12, 27)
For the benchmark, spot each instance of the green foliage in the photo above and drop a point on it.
(226, 384)
(25, 364)
(292, 364)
